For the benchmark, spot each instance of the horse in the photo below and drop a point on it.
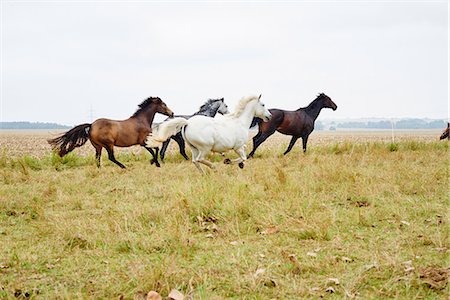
(444, 134)
(106, 133)
(204, 134)
(210, 108)
(298, 123)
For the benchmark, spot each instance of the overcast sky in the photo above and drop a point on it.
(374, 59)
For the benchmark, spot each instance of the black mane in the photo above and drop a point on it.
(146, 103)
(313, 103)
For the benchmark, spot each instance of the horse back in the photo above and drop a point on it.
(218, 135)
(118, 133)
(296, 123)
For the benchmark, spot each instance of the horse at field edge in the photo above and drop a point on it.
(106, 133)
(445, 134)
(204, 134)
(298, 123)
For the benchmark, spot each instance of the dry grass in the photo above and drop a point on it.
(350, 219)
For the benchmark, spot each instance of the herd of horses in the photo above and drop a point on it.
(211, 129)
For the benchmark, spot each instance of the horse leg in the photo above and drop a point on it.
(240, 160)
(181, 144)
(154, 159)
(179, 139)
(162, 153)
(242, 156)
(201, 158)
(98, 153)
(260, 138)
(305, 141)
(255, 138)
(195, 154)
(291, 144)
(207, 163)
(112, 158)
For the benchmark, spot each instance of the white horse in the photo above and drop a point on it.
(204, 134)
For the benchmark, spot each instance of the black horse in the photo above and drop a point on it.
(298, 123)
(444, 134)
(210, 108)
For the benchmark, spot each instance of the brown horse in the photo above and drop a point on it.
(105, 133)
(299, 123)
(445, 135)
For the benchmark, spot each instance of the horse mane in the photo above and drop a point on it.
(207, 103)
(313, 103)
(144, 104)
(241, 105)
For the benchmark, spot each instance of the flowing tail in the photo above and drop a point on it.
(75, 137)
(164, 131)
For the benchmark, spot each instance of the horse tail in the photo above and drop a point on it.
(75, 137)
(183, 134)
(164, 131)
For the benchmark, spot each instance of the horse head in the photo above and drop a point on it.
(261, 111)
(223, 108)
(327, 102)
(162, 108)
(215, 106)
(445, 134)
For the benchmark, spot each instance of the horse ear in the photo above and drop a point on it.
(223, 99)
(259, 96)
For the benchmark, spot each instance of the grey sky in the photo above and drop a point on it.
(373, 59)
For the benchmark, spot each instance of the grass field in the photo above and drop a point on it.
(358, 216)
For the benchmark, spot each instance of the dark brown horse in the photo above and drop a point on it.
(445, 135)
(105, 133)
(298, 123)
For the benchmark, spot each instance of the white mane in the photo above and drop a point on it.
(241, 106)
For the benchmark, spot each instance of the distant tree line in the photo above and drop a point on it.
(384, 124)
(31, 125)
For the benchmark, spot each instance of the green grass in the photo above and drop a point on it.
(366, 214)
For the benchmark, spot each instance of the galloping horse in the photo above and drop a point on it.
(210, 108)
(299, 123)
(204, 134)
(106, 133)
(444, 134)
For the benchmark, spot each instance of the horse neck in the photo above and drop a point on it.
(147, 115)
(314, 108)
(248, 114)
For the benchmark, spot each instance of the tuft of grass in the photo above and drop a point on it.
(393, 147)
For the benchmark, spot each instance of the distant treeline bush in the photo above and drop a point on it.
(31, 125)
(384, 124)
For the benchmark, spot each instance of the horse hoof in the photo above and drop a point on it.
(152, 162)
(241, 165)
(227, 161)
